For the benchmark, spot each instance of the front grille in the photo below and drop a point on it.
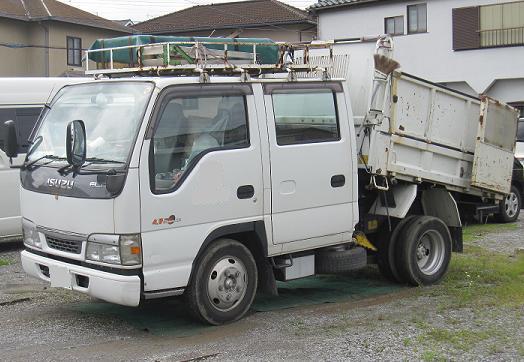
(69, 246)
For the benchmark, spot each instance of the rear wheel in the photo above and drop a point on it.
(509, 207)
(387, 258)
(224, 283)
(424, 251)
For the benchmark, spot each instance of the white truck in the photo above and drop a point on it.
(21, 101)
(216, 186)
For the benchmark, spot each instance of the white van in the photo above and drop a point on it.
(22, 101)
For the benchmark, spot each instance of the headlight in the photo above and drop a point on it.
(30, 234)
(115, 249)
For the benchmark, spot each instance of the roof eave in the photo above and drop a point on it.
(359, 3)
(66, 20)
(295, 22)
(80, 22)
(14, 17)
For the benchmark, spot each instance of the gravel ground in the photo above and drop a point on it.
(39, 323)
(507, 242)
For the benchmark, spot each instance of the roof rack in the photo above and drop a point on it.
(204, 58)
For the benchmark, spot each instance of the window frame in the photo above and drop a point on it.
(335, 88)
(498, 43)
(184, 91)
(34, 112)
(417, 6)
(395, 31)
(73, 49)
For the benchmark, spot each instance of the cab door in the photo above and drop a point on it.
(311, 164)
(200, 169)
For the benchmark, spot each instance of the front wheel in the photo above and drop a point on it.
(509, 207)
(424, 251)
(224, 283)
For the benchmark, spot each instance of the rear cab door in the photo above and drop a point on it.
(312, 166)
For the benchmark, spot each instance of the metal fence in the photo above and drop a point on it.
(501, 37)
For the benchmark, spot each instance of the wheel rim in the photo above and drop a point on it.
(227, 283)
(511, 204)
(430, 252)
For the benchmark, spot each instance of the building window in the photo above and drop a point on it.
(417, 18)
(394, 25)
(488, 26)
(502, 24)
(305, 117)
(74, 51)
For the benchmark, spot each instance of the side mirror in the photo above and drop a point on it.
(76, 143)
(11, 145)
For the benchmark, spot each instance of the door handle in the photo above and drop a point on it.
(338, 181)
(245, 192)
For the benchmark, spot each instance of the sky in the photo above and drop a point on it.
(139, 10)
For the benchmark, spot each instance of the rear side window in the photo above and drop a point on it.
(305, 116)
(190, 127)
(25, 119)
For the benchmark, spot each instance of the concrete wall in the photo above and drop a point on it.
(289, 33)
(430, 55)
(47, 55)
(13, 60)
(58, 33)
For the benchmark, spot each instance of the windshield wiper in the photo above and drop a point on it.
(89, 161)
(92, 160)
(50, 157)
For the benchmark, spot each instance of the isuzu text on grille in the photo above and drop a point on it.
(60, 183)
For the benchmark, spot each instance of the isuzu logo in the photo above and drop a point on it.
(60, 183)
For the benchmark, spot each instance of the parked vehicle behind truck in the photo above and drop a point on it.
(21, 100)
(215, 186)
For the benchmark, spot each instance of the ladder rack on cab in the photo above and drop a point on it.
(213, 57)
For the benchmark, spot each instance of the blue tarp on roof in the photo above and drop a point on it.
(265, 54)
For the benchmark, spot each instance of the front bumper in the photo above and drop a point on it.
(114, 288)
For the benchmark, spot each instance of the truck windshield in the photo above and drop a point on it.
(111, 111)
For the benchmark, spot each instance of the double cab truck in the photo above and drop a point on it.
(214, 186)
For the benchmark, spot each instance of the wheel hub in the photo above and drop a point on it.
(511, 204)
(227, 283)
(430, 252)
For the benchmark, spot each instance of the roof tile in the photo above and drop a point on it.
(322, 4)
(34, 10)
(226, 15)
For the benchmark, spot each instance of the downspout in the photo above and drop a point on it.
(46, 48)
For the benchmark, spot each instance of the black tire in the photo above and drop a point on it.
(509, 207)
(386, 257)
(424, 251)
(215, 279)
(340, 261)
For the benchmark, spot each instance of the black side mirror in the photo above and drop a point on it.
(11, 145)
(76, 143)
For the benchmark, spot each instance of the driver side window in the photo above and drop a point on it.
(190, 127)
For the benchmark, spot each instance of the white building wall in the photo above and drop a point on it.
(430, 55)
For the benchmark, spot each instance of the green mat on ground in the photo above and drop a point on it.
(170, 316)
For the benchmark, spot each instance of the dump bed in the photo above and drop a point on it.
(429, 133)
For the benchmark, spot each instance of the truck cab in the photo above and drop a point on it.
(172, 167)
